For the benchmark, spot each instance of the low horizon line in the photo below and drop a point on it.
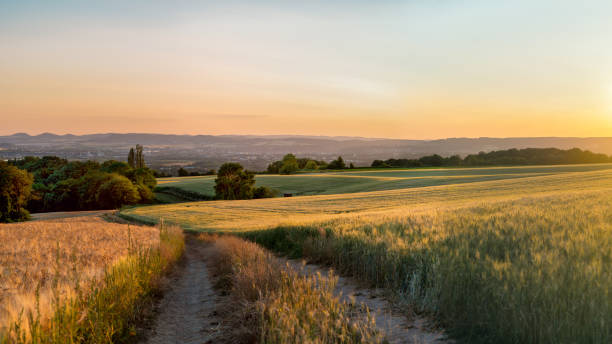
(311, 135)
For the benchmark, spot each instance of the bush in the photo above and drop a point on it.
(264, 192)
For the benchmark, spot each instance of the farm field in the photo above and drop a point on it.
(52, 264)
(516, 260)
(325, 183)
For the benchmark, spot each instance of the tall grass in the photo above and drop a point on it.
(278, 305)
(532, 270)
(105, 309)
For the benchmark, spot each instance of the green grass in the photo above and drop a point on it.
(350, 181)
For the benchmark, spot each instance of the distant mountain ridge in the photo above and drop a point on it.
(255, 151)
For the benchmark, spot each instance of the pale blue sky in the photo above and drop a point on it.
(409, 69)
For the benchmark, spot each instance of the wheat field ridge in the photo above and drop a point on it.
(507, 261)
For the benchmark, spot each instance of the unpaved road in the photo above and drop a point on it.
(186, 313)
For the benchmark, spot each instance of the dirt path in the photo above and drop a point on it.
(186, 314)
(399, 328)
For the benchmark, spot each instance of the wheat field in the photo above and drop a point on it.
(44, 257)
(526, 260)
(268, 213)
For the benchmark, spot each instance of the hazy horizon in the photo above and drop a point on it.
(306, 135)
(389, 69)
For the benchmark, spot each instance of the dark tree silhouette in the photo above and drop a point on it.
(15, 187)
(233, 182)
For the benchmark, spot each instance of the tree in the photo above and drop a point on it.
(233, 182)
(182, 172)
(140, 163)
(275, 167)
(337, 164)
(311, 165)
(116, 192)
(264, 192)
(290, 164)
(351, 165)
(132, 158)
(15, 188)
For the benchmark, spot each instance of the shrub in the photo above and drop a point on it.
(264, 192)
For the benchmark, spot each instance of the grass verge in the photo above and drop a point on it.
(272, 303)
(105, 310)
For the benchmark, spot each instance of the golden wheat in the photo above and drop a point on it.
(36, 257)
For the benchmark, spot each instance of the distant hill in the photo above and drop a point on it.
(255, 152)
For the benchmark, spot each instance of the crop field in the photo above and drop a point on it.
(519, 260)
(326, 183)
(45, 265)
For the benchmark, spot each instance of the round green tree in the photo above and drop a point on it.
(234, 182)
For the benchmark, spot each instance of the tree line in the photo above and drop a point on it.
(290, 164)
(527, 156)
(50, 183)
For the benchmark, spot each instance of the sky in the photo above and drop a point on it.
(420, 69)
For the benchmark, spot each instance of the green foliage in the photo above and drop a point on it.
(15, 188)
(182, 172)
(117, 191)
(60, 185)
(264, 192)
(337, 164)
(527, 156)
(290, 164)
(311, 165)
(233, 182)
(132, 158)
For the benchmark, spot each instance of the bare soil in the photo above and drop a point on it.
(186, 313)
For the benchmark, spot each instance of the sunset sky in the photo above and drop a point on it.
(419, 69)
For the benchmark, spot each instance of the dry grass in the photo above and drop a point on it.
(47, 257)
(272, 303)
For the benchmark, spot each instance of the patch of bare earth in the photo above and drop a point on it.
(187, 312)
(398, 327)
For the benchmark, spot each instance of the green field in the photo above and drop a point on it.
(523, 258)
(327, 183)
